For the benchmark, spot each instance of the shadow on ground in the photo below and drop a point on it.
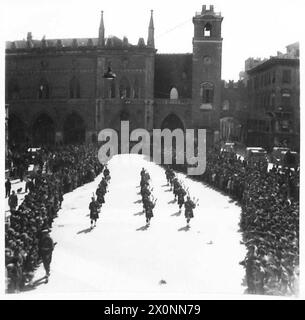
(186, 228)
(144, 228)
(140, 213)
(87, 230)
(35, 284)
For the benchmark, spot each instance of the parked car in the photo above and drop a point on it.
(33, 163)
(256, 154)
(284, 157)
(277, 154)
(228, 147)
(291, 159)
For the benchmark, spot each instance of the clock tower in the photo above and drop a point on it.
(206, 70)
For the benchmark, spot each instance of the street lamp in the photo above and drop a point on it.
(109, 75)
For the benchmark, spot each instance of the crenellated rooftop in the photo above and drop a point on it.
(208, 11)
(110, 42)
(100, 42)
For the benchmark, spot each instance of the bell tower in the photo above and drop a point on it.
(206, 81)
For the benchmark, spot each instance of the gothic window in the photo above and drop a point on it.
(74, 88)
(112, 90)
(173, 95)
(13, 90)
(124, 88)
(207, 92)
(43, 90)
(226, 105)
(125, 63)
(207, 30)
(136, 90)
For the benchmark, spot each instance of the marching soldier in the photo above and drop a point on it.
(176, 187)
(189, 207)
(181, 195)
(94, 207)
(149, 206)
(46, 247)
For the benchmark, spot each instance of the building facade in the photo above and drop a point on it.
(273, 117)
(262, 109)
(57, 93)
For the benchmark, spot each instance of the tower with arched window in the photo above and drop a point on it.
(206, 82)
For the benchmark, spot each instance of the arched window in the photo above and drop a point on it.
(124, 88)
(74, 88)
(207, 30)
(174, 94)
(43, 90)
(136, 90)
(207, 92)
(13, 90)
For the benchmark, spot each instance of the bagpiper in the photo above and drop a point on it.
(181, 195)
(189, 207)
(94, 208)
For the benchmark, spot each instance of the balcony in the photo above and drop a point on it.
(173, 101)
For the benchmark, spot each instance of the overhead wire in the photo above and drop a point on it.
(172, 29)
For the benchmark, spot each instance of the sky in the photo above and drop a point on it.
(257, 28)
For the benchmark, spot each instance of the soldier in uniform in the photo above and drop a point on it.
(7, 188)
(181, 194)
(13, 201)
(176, 187)
(46, 247)
(93, 206)
(149, 206)
(106, 173)
(189, 206)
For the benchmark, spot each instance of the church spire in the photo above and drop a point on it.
(151, 31)
(101, 35)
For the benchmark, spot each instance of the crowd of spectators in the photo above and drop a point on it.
(63, 169)
(269, 198)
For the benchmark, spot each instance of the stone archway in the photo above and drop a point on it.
(74, 129)
(172, 122)
(43, 131)
(16, 130)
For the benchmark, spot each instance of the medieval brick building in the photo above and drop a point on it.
(57, 93)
